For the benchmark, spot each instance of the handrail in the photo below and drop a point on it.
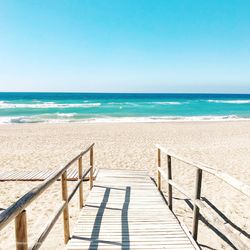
(196, 199)
(38, 242)
(17, 209)
(242, 187)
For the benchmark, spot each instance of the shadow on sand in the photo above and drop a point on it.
(214, 229)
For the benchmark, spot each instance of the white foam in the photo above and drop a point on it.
(231, 101)
(66, 114)
(162, 119)
(7, 105)
(143, 103)
(19, 119)
(168, 103)
(124, 103)
(154, 119)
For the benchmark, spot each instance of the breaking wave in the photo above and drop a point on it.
(168, 103)
(231, 101)
(45, 105)
(66, 118)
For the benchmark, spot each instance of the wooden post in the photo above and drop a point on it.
(21, 231)
(91, 170)
(81, 185)
(66, 209)
(170, 192)
(158, 172)
(196, 208)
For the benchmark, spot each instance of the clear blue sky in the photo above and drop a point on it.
(125, 45)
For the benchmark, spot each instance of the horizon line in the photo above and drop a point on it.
(101, 92)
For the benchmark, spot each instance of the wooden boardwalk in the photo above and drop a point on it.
(125, 210)
(40, 175)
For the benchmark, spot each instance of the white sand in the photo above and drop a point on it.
(224, 145)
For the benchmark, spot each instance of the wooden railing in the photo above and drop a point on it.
(198, 204)
(17, 210)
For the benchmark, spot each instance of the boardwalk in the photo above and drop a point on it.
(125, 210)
(40, 175)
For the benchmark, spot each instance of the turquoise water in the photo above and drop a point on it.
(93, 107)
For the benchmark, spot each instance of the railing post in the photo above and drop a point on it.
(170, 192)
(81, 184)
(196, 208)
(21, 231)
(91, 169)
(66, 209)
(158, 172)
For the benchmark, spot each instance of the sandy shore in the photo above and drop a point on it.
(224, 145)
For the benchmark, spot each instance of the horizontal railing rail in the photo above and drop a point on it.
(198, 204)
(245, 189)
(17, 210)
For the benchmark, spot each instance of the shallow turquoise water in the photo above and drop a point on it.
(93, 107)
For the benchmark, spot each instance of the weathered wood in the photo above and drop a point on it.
(170, 192)
(209, 214)
(120, 213)
(92, 166)
(238, 185)
(158, 172)
(38, 242)
(243, 188)
(21, 231)
(74, 190)
(11, 212)
(180, 189)
(66, 208)
(81, 185)
(196, 209)
(41, 175)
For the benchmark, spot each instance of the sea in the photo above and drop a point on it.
(121, 107)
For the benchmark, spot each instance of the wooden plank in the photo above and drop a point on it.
(36, 175)
(125, 210)
(41, 175)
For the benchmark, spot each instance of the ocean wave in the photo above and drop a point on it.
(156, 119)
(66, 114)
(231, 101)
(68, 118)
(145, 103)
(132, 104)
(168, 103)
(31, 119)
(20, 119)
(45, 105)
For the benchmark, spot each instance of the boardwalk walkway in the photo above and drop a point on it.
(40, 175)
(125, 210)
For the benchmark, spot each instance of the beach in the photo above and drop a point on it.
(158, 87)
(224, 145)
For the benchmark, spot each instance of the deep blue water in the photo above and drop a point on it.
(87, 107)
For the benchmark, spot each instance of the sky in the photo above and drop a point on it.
(125, 45)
